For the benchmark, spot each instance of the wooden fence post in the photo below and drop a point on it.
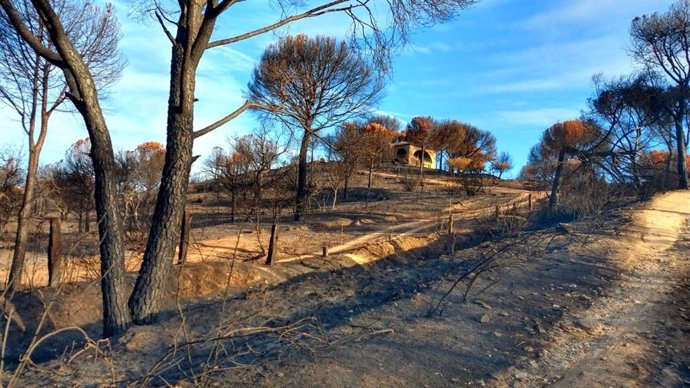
(325, 251)
(529, 202)
(498, 213)
(450, 224)
(184, 237)
(272, 244)
(54, 255)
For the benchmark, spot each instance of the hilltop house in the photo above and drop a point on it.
(407, 153)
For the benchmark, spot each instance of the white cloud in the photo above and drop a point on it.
(552, 66)
(595, 13)
(541, 118)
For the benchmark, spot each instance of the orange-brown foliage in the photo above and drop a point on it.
(569, 133)
(462, 163)
(379, 130)
(419, 130)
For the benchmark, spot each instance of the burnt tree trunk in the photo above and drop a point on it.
(84, 96)
(55, 260)
(272, 244)
(681, 150)
(184, 237)
(145, 301)
(553, 199)
(302, 178)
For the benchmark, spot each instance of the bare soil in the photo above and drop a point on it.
(598, 302)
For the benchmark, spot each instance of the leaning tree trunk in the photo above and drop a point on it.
(146, 299)
(116, 318)
(84, 95)
(302, 178)
(553, 199)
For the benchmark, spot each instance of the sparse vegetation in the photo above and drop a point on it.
(334, 244)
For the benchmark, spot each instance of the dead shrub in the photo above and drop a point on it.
(411, 182)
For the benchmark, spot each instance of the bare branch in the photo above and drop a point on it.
(16, 19)
(317, 11)
(247, 105)
(165, 29)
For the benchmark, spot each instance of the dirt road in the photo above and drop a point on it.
(637, 335)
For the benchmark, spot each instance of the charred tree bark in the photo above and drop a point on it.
(184, 237)
(272, 244)
(553, 199)
(55, 260)
(84, 95)
(145, 301)
(681, 149)
(302, 178)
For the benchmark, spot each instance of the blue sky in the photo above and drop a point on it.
(513, 67)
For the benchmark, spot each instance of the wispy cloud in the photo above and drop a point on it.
(538, 118)
(595, 13)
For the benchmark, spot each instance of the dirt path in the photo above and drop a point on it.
(637, 335)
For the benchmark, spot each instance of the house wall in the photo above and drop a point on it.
(406, 153)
